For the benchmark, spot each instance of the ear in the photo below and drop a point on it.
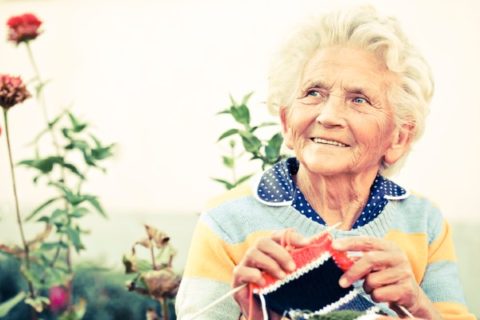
(402, 138)
(286, 131)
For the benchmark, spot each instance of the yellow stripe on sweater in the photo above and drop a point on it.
(415, 246)
(453, 311)
(442, 248)
(214, 258)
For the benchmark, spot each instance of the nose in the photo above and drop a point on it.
(331, 112)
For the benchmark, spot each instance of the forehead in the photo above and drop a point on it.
(347, 67)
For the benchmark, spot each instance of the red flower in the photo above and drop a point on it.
(59, 298)
(12, 91)
(23, 28)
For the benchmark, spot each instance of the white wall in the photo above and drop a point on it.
(151, 75)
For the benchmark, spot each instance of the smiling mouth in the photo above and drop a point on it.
(329, 142)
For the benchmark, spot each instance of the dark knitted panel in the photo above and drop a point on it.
(313, 291)
(357, 304)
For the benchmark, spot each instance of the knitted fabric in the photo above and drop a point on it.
(312, 288)
(342, 315)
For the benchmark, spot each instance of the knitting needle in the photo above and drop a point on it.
(404, 310)
(333, 227)
(214, 303)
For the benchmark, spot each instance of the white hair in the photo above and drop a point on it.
(362, 27)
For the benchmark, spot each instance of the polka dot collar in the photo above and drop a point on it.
(277, 188)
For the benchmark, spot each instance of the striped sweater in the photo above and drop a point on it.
(224, 233)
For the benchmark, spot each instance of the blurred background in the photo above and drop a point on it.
(151, 75)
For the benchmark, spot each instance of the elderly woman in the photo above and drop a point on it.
(352, 94)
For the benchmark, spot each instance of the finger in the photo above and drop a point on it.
(276, 252)
(291, 237)
(402, 293)
(361, 244)
(370, 261)
(259, 260)
(383, 277)
(243, 274)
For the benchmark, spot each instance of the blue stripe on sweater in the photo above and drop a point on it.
(441, 275)
(418, 216)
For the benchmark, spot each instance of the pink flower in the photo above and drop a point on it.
(12, 91)
(23, 28)
(59, 298)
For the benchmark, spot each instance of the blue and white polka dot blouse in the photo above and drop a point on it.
(276, 187)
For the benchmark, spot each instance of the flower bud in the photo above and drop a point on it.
(23, 28)
(12, 91)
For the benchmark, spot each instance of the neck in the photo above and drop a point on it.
(336, 198)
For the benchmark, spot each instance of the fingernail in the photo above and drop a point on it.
(281, 275)
(337, 244)
(343, 283)
(291, 266)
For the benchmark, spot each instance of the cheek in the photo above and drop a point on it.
(376, 134)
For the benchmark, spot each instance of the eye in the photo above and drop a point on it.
(313, 93)
(360, 100)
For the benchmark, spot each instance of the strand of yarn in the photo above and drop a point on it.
(264, 307)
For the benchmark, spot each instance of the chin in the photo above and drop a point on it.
(324, 166)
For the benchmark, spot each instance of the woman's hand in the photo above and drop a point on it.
(387, 273)
(268, 256)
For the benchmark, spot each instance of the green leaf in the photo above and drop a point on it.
(241, 114)
(78, 212)
(77, 126)
(228, 162)
(227, 111)
(58, 216)
(272, 150)
(67, 133)
(98, 144)
(243, 179)
(69, 195)
(232, 100)
(57, 118)
(102, 152)
(77, 144)
(89, 159)
(6, 306)
(251, 143)
(246, 98)
(41, 207)
(74, 170)
(227, 133)
(47, 246)
(93, 200)
(263, 125)
(74, 237)
(45, 219)
(227, 184)
(44, 165)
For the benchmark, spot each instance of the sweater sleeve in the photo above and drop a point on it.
(441, 281)
(207, 276)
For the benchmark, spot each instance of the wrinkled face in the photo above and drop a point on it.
(340, 121)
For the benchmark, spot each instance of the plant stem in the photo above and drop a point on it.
(39, 79)
(43, 104)
(164, 304)
(152, 254)
(17, 207)
(234, 174)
